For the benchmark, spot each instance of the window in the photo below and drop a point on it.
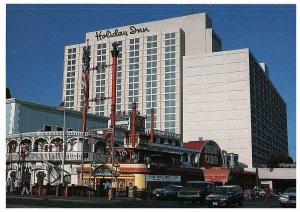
(47, 128)
(59, 129)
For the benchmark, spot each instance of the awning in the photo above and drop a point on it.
(216, 175)
(85, 169)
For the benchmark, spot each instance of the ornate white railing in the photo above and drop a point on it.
(50, 133)
(57, 156)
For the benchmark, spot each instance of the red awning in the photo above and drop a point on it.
(134, 170)
(195, 144)
(216, 174)
(85, 169)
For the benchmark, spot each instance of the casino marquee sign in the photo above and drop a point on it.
(116, 33)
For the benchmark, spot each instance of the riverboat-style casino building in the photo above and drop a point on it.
(177, 66)
(40, 152)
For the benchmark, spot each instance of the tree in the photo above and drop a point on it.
(277, 158)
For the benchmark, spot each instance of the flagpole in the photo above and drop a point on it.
(64, 140)
(85, 78)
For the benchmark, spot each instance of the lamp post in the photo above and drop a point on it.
(64, 140)
(114, 54)
(117, 165)
(24, 153)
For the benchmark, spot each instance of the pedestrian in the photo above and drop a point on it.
(17, 186)
(249, 196)
(245, 193)
(24, 187)
(8, 186)
(267, 198)
(107, 187)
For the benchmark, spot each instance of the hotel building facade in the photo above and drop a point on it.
(177, 67)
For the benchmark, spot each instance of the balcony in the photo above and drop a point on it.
(52, 133)
(74, 157)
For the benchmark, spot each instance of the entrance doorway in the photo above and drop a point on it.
(102, 187)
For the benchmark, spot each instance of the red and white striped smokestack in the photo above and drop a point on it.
(114, 54)
(152, 125)
(133, 115)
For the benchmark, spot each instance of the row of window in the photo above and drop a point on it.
(119, 77)
(170, 82)
(70, 78)
(133, 72)
(151, 78)
(100, 79)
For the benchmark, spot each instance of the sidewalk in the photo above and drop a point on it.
(69, 198)
(61, 201)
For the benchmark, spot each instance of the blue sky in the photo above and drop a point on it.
(36, 36)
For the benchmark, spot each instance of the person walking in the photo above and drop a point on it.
(267, 198)
(8, 186)
(24, 188)
(17, 186)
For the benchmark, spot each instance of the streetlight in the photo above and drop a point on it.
(63, 104)
(114, 54)
(24, 153)
(116, 165)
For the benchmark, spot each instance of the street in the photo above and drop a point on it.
(100, 202)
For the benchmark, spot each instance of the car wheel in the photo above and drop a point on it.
(229, 204)
(240, 203)
(180, 201)
(208, 205)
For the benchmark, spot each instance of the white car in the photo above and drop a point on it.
(259, 192)
(288, 197)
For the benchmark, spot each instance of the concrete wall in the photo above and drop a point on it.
(216, 101)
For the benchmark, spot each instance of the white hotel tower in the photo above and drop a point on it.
(177, 67)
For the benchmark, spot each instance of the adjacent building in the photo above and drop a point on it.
(229, 97)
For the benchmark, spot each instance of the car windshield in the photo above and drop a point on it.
(200, 186)
(172, 188)
(223, 190)
(290, 190)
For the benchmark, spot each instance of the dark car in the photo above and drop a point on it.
(225, 196)
(288, 197)
(168, 192)
(195, 191)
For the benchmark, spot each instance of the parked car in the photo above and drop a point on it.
(259, 192)
(288, 197)
(225, 196)
(168, 192)
(195, 191)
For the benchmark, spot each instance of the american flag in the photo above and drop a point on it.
(84, 82)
